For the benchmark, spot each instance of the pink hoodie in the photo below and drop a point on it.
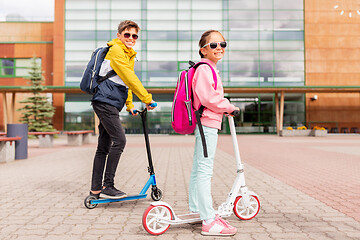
(205, 94)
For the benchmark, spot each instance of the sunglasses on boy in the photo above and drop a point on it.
(134, 36)
(214, 45)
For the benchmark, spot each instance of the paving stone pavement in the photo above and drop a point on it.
(42, 196)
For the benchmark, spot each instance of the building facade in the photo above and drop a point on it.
(276, 43)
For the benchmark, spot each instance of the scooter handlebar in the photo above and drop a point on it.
(234, 113)
(154, 104)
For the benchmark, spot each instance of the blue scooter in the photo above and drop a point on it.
(91, 202)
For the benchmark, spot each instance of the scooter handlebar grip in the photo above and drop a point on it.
(135, 111)
(236, 113)
(154, 104)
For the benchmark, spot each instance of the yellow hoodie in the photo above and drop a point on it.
(122, 60)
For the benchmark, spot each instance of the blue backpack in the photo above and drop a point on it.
(90, 78)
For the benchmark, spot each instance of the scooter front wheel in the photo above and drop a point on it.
(152, 216)
(156, 194)
(246, 212)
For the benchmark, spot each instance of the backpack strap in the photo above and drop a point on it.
(212, 70)
(108, 75)
(201, 130)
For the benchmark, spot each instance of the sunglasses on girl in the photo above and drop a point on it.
(134, 36)
(214, 45)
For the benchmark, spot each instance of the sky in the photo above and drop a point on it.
(28, 10)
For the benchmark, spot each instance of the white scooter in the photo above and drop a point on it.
(158, 217)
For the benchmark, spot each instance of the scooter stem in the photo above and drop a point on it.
(235, 143)
(146, 135)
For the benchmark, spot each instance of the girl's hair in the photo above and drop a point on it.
(204, 38)
(128, 24)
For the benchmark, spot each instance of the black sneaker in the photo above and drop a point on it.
(97, 196)
(112, 192)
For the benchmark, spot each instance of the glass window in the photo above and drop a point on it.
(79, 14)
(161, 4)
(243, 66)
(289, 66)
(289, 45)
(161, 25)
(162, 66)
(80, 4)
(265, 4)
(7, 67)
(206, 25)
(103, 15)
(243, 45)
(243, 4)
(79, 35)
(18, 67)
(80, 25)
(207, 15)
(266, 15)
(161, 15)
(244, 35)
(105, 4)
(244, 55)
(80, 45)
(161, 56)
(266, 56)
(184, 4)
(286, 15)
(294, 25)
(76, 55)
(161, 45)
(285, 4)
(206, 5)
(184, 15)
(287, 55)
(243, 14)
(126, 14)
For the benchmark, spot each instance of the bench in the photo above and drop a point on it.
(77, 138)
(46, 139)
(7, 148)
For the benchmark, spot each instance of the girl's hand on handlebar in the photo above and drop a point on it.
(236, 111)
(151, 105)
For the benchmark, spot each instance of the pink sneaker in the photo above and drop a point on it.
(219, 227)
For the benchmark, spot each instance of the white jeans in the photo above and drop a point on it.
(200, 199)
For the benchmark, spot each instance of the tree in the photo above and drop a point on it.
(38, 111)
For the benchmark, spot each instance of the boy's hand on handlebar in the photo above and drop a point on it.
(151, 105)
(134, 112)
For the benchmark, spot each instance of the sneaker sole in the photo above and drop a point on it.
(111, 197)
(217, 234)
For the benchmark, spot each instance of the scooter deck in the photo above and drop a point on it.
(186, 218)
(107, 200)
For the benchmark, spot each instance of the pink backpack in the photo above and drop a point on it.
(183, 114)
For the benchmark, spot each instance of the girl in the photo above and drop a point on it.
(212, 48)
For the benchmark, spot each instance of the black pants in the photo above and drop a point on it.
(111, 144)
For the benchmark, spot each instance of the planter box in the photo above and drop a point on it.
(295, 133)
(319, 133)
(303, 133)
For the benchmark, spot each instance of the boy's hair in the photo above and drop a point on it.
(128, 24)
(204, 38)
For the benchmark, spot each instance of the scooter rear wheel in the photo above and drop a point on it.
(246, 212)
(152, 216)
(87, 202)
